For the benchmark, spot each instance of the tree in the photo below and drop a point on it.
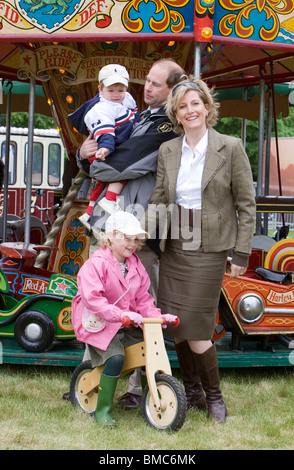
(233, 126)
(22, 119)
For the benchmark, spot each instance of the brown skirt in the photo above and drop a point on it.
(189, 287)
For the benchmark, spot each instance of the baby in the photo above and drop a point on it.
(110, 118)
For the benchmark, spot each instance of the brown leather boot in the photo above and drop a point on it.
(209, 373)
(189, 373)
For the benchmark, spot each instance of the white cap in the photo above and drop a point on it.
(126, 223)
(113, 73)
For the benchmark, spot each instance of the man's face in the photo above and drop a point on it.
(156, 90)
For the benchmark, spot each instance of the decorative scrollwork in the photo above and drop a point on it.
(160, 20)
(240, 19)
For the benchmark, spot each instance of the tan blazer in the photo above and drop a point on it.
(228, 200)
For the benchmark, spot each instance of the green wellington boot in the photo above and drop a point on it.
(107, 388)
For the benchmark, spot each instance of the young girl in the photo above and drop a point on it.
(111, 284)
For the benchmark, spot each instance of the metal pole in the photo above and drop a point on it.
(260, 150)
(6, 168)
(29, 165)
(268, 142)
(267, 155)
(197, 60)
(244, 122)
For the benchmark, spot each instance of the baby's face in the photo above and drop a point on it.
(115, 93)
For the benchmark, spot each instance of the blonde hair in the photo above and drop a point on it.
(103, 239)
(177, 94)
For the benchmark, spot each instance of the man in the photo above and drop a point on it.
(136, 160)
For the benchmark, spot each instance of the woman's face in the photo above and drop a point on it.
(192, 112)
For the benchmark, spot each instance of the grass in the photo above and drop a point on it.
(34, 417)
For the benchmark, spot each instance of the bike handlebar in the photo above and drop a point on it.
(46, 208)
(126, 321)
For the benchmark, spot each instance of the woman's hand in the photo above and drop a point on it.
(237, 271)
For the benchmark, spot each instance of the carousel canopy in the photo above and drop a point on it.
(64, 44)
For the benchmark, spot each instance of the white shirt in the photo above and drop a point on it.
(188, 190)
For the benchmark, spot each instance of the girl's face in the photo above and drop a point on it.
(115, 93)
(123, 246)
(192, 112)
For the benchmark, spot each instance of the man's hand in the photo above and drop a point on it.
(88, 148)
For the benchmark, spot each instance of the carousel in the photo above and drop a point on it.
(245, 50)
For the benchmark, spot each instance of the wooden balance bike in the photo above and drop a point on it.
(164, 403)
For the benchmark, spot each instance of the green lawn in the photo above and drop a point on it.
(33, 415)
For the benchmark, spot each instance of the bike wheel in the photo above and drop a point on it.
(173, 403)
(87, 403)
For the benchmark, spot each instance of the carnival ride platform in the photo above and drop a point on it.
(253, 353)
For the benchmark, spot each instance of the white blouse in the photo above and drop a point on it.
(188, 190)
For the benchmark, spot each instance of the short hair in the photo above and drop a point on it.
(206, 95)
(175, 71)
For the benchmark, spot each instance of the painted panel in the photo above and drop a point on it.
(87, 19)
(256, 21)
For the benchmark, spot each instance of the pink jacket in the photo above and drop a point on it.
(104, 294)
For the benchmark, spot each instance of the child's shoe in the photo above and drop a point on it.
(84, 219)
(111, 207)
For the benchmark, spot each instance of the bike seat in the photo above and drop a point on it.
(274, 276)
(15, 224)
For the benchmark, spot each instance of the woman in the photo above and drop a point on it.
(204, 180)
